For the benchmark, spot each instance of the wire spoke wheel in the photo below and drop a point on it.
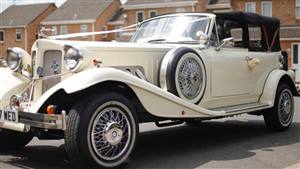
(190, 78)
(285, 107)
(110, 134)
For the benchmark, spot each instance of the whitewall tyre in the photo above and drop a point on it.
(280, 117)
(102, 130)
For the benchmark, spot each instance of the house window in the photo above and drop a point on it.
(139, 16)
(1, 36)
(152, 14)
(118, 34)
(298, 9)
(84, 28)
(53, 30)
(63, 29)
(104, 28)
(266, 8)
(295, 53)
(18, 35)
(250, 7)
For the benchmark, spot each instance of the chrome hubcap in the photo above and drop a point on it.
(113, 133)
(110, 134)
(285, 107)
(190, 78)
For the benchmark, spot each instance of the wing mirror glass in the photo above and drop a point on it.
(226, 42)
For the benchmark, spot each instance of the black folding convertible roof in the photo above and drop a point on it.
(270, 27)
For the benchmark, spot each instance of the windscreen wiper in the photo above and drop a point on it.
(156, 40)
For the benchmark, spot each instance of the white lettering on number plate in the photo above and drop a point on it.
(8, 116)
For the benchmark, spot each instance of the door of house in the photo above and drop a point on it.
(296, 60)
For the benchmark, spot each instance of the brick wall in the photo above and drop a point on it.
(104, 18)
(131, 14)
(31, 29)
(10, 40)
(101, 21)
(281, 9)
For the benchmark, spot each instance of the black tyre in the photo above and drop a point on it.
(13, 140)
(101, 129)
(280, 117)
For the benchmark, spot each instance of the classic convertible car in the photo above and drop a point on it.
(177, 68)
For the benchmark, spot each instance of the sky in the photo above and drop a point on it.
(6, 3)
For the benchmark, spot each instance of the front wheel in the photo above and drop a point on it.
(280, 117)
(102, 130)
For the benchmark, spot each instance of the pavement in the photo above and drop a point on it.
(242, 142)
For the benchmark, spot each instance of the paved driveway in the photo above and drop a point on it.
(241, 142)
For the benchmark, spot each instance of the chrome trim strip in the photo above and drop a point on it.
(243, 108)
(45, 121)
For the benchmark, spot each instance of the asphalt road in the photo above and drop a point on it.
(241, 142)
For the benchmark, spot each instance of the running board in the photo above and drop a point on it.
(244, 108)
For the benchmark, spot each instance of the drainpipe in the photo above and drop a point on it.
(93, 30)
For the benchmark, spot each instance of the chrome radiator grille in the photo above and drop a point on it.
(52, 62)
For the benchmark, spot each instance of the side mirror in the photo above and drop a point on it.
(225, 42)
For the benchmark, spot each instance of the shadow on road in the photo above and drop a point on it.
(178, 147)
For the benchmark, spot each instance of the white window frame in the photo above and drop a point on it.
(150, 11)
(2, 41)
(137, 14)
(262, 7)
(297, 8)
(118, 34)
(84, 28)
(61, 29)
(18, 31)
(104, 28)
(250, 3)
(54, 30)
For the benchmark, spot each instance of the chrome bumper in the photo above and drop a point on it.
(44, 121)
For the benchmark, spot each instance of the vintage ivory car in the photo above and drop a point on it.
(177, 68)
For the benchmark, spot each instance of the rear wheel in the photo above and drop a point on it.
(102, 129)
(14, 140)
(280, 117)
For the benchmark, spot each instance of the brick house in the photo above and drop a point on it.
(76, 16)
(288, 11)
(134, 11)
(19, 25)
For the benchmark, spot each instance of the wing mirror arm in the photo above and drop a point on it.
(224, 42)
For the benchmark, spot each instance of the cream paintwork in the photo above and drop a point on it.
(170, 105)
(269, 92)
(242, 86)
(11, 84)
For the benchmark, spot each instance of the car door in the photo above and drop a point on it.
(237, 73)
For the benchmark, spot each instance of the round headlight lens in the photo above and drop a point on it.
(72, 58)
(13, 59)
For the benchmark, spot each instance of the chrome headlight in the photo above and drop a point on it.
(73, 57)
(14, 59)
